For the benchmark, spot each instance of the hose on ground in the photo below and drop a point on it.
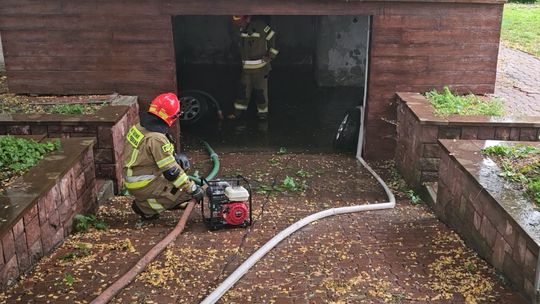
(126, 279)
(215, 161)
(261, 252)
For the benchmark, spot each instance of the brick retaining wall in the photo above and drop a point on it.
(38, 208)
(109, 125)
(495, 220)
(417, 151)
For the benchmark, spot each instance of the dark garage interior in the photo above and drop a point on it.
(319, 74)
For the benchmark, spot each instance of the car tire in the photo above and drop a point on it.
(194, 106)
(346, 138)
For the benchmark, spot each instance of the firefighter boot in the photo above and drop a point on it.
(144, 217)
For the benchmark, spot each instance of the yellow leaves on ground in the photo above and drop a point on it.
(458, 269)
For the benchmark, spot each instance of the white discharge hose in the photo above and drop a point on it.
(255, 257)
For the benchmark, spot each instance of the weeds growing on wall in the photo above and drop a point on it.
(446, 103)
(519, 164)
(10, 103)
(18, 155)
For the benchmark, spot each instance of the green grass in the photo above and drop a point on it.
(446, 103)
(519, 164)
(521, 27)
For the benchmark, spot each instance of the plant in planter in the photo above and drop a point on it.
(520, 164)
(446, 103)
(17, 155)
(16, 104)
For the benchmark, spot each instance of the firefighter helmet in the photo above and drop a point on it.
(166, 106)
(238, 17)
(241, 20)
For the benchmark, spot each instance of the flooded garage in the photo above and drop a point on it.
(319, 74)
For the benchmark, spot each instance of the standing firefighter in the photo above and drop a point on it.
(151, 171)
(257, 49)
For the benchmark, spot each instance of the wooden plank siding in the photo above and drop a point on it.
(98, 46)
(434, 47)
(88, 47)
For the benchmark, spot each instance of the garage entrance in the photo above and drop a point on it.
(319, 74)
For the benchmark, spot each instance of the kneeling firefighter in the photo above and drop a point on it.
(152, 172)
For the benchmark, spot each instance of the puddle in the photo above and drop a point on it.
(302, 116)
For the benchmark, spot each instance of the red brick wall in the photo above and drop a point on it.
(110, 135)
(467, 207)
(46, 222)
(95, 46)
(417, 152)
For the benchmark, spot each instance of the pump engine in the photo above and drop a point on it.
(229, 203)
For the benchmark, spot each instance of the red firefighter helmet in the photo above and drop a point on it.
(166, 106)
(240, 20)
(238, 17)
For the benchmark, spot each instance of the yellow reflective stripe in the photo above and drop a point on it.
(134, 137)
(164, 162)
(252, 35)
(254, 66)
(155, 205)
(137, 184)
(163, 114)
(180, 180)
(266, 29)
(274, 51)
(265, 110)
(132, 160)
(270, 35)
(239, 106)
(168, 148)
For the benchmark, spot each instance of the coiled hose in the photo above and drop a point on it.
(126, 279)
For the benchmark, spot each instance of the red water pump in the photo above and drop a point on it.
(229, 203)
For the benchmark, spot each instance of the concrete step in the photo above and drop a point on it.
(104, 190)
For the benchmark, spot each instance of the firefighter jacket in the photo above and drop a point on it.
(257, 45)
(147, 155)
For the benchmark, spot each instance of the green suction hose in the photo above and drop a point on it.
(215, 168)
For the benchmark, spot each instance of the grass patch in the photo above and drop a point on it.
(521, 27)
(84, 222)
(17, 155)
(519, 164)
(446, 103)
(289, 184)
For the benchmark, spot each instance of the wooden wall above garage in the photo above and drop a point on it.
(86, 47)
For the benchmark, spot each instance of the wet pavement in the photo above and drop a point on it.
(302, 116)
(403, 255)
(518, 81)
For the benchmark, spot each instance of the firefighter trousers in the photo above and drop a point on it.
(157, 196)
(253, 82)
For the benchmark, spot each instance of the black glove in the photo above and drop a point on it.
(182, 160)
(198, 193)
